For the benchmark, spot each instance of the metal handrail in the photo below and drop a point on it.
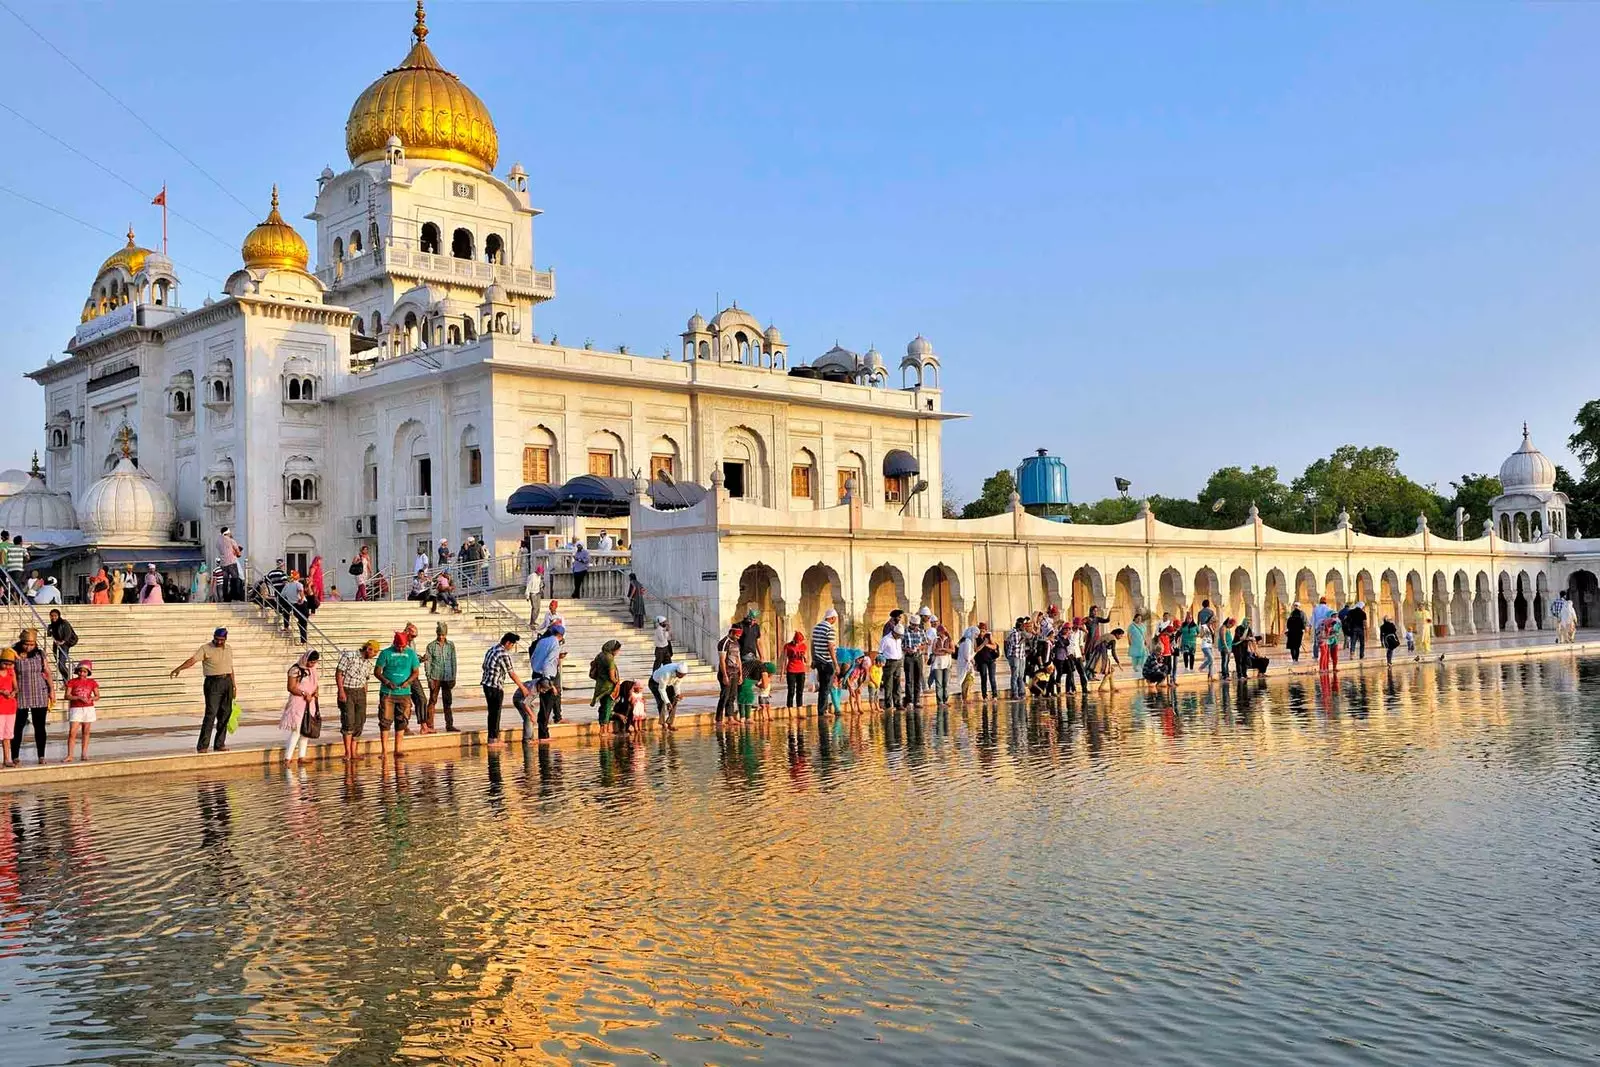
(311, 625)
(17, 602)
(474, 577)
(674, 614)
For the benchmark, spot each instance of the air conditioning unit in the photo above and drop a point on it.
(188, 529)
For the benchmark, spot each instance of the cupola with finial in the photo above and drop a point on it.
(274, 244)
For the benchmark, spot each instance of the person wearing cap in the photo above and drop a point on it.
(216, 664)
(750, 642)
(544, 665)
(49, 592)
(442, 553)
(351, 678)
(150, 588)
(662, 635)
(664, 687)
(83, 692)
(917, 642)
(439, 663)
(825, 659)
(8, 704)
(397, 669)
(497, 670)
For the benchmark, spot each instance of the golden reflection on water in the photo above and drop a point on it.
(974, 885)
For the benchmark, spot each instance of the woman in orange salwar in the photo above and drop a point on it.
(100, 587)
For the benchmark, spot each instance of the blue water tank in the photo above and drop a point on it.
(1042, 485)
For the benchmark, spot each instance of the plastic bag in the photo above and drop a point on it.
(233, 717)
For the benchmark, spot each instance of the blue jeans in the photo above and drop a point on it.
(1017, 679)
(941, 683)
(987, 686)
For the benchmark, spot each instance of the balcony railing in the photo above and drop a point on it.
(413, 507)
(400, 256)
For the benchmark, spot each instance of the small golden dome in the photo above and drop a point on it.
(130, 257)
(427, 107)
(274, 244)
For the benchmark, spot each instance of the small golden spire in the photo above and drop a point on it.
(130, 235)
(125, 441)
(275, 188)
(420, 31)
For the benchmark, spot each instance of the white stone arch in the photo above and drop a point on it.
(1049, 586)
(470, 442)
(1276, 606)
(301, 481)
(820, 589)
(1239, 599)
(1541, 601)
(1523, 602)
(1415, 595)
(1461, 603)
(1305, 588)
(604, 442)
(369, 476)
(1128, 588)
(1365, 592)
(941, 593)
(1483, 606)
(1088, 590)
(761, 590)
(743, 445)
(1439, 600)
(1170, 596)
(1333, 587)
(540, 436)
(1206, 587)
(854, 465)
(886, 590)
(1392, 595)
(412, 469)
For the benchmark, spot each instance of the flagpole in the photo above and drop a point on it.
(161, 198)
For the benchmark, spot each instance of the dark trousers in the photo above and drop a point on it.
(577, 584)
(1188, 658)
(797, 689)
(1075, 666)
(24, 716)
(662, 700)
(916, 677)
(63, 665)
(219, 707)
(1294, 647)
(825, 672)
(892, 669)
(298, 613)
(988, 686)
(419, 703)
(663, 656)
(1358, 644)
(727, 699)
(495, 698)
(549, 711)
(232, 583)
(438, 688)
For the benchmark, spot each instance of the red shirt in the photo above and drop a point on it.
(82, 692)
(8, 691)
(1166, 642)
(794, 657)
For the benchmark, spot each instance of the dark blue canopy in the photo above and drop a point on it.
(898, 463)
(536, 499)
(599, 497)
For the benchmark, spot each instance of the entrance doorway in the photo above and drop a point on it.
(1586, 597)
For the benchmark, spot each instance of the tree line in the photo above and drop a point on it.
(1367, 482)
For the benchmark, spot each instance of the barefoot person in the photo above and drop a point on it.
(8, 703)
(216, 664)
(397, 669)
(351, 677)
(83, 692)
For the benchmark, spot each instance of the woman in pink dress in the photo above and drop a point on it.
(150, 591)
(302, 697)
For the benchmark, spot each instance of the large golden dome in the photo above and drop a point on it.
(427, 107)
(274, 244)
(129, 257)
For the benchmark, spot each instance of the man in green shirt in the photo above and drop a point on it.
(397, 668)
(439, 661)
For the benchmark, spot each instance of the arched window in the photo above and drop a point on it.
(377, 324)
(705, 350)
(338, 248)
(294, 489)
(461, 243)
(494, 248)
(294, 388)
(410, 328)
(468, 331)
(455, 334)
(430, 238)
(308, 390)
(355, 243)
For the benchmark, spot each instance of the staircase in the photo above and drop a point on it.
(134, 647)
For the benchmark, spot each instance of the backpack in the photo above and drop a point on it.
(597, 669)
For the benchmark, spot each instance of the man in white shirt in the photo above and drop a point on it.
(48, 593)
(607, 542)
(664, 687)
(663, 639)
(421, 562)
(891, 653)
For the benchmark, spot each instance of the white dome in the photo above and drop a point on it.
(919, 348)
(495, 294)
(773, 336)
(1527, 468)
(127, 507)
(13, 482)
(36, 508)
(697, 323)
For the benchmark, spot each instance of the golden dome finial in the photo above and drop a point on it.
(427, 107)
(274, 244)
(130, 236)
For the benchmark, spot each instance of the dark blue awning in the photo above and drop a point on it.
(898, 463)
(676, 496)
(536, 499)
(179, 555)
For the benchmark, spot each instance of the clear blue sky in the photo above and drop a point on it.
(1155, 239)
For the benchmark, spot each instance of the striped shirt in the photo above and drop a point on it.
(496, 667)
(822, 642)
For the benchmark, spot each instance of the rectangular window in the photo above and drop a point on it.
(474, 466)
(535, 466)
(733, 479)
(425, 476)
(661, 463)
(297, 561)
(844, 484)
(893, 489)
(371, 481)
(602, 463)
(800, 480)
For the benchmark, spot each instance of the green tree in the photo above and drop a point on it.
(1230, 491)
(995, 499)
(1107, 512)
(1367, 483)
(1472, 494)
(950, 506)
(1585, 440)
(1583, 501)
